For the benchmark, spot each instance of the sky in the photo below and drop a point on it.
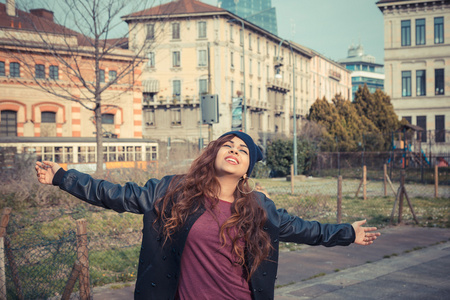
(331, 26)
(327, 26)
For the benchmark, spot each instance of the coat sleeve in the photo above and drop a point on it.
(121, 198)
(296, 230)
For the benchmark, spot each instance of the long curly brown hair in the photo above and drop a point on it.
(188, 193)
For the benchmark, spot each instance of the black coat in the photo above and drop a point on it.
(159, 263)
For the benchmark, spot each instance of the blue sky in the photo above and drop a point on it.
(327, 26)
(331, 26)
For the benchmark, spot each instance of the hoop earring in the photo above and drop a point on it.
(246, 193)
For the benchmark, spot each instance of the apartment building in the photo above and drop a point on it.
(417, 65)
(31, 75)
(198, 49)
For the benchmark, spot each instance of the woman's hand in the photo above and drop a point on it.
(45, 171)
(364, 235)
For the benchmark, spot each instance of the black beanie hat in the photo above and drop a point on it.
(254, 151)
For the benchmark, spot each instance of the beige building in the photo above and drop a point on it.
(200, 49)
(417, 66)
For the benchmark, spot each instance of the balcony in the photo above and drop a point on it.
(278, 85)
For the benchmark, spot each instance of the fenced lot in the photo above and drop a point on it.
(42, 239)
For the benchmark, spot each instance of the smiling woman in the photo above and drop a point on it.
(207, 229)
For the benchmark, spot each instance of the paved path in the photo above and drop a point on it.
(406, 262)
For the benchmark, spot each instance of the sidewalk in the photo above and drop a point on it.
(406, 262)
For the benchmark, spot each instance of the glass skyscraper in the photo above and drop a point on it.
(259, 12)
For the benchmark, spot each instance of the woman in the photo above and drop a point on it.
(207, 229)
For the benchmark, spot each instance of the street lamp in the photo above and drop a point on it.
(294, 105)
(244, 119)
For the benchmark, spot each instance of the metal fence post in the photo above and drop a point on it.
(385, 179)
(83, 258)
(401, 191)
(292, 179)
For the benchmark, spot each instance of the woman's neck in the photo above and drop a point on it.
(227, 187)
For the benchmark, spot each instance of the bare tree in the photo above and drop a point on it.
(79, 39)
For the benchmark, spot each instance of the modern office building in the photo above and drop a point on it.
(417, 65)
(364, 70)
(259, 12)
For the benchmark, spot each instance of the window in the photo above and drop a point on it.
(439, 81)
(151, 60)
(232, 59)
(439, 30)
(48, 124)
(202, 30)
(250, 63)
(112, 75)
(259, 69)
(421, 121)
(14, 69)
(102, 75)
(39, 71)
(420, 32)
(176, 89)
(250, 41)
(176, 116)
(406, 33)
(408, 119)
(107, 119)
(250, 89)
(202, 58)
(148, 97)
(176, 59)
(150, 32)
(267, 48)
(8, 124)
(421, 88)
(439, 123)
(54, 72)
(406, 83)
(231, 33)
(259, 93)
(149, 117)
(175, 31)
(258, 45)
(241, 37)
(242, 63)
(2, 68)
(232, 88)
(203, 86)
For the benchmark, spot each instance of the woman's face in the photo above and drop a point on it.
(232, 159)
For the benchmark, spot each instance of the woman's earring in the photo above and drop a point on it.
(246, 178)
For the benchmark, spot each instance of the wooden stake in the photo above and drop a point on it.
(359, 187)
(410, 206)
(436, 181)
(395, 205)
(364, 182)
(400, 201)
(3, 224)
(339, 199)
(72, 280)
(14, 269)
(392, 187)
(83, 258)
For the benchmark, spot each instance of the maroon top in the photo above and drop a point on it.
(207, 268)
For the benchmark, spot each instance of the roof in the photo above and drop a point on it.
(42, 20)
(176, 7)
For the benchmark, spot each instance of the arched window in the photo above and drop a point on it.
(108, 124)
(8, 123)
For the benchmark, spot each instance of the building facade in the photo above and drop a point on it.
(417, 65)
(31, 78)
(364, 70)
(259, 12)
(202, 49)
